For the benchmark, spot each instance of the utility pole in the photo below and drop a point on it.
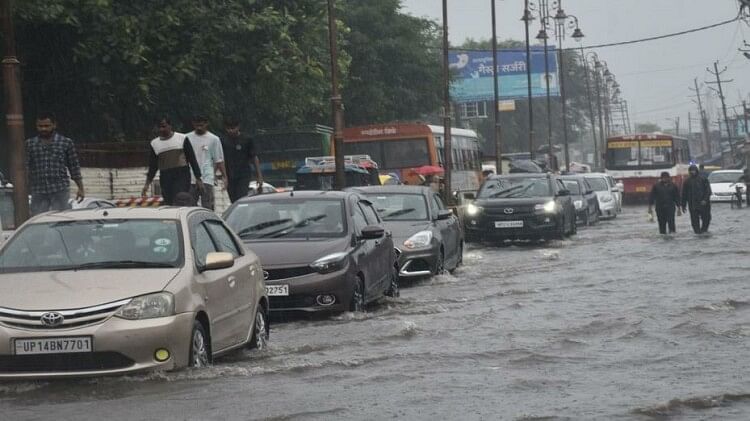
(598, 93)
(543, 17)
(495, 71)
(447, 144)
(745, 117)
(718, 82)
(14, 116)
(704, 121)
(591, 108)
(336, 103)
(527, 20)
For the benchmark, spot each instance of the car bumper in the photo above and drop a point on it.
(119, 346)
(305, 290)
(418, 263)
(534, 226)
(608, 209)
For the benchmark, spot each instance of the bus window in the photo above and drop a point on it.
(622, 154)
(656, 153)
(373, 149)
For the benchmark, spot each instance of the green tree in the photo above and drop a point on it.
(395, 69)
(647, 128)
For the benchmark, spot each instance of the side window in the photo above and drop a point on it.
(223, 239)
(370, 215)
(438, 202)
(202, 244)
(359, 219)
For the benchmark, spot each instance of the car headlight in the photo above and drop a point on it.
(419, 240)
(472, 209)
(607, 198)
(549, 207)
(578, 204)
(330, 263)
(149, 306)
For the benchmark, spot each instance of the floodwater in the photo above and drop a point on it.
(615, 323)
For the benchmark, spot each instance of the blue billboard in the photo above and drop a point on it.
(473, 74)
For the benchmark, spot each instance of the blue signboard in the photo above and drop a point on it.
(473, 74)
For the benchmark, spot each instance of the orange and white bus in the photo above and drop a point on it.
(402, 148)
(638, 160)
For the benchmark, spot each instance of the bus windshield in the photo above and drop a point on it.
(630, 155)
(392, 154)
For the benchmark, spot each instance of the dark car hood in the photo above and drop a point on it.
(503, 202)
(402, 230)
(296, 252)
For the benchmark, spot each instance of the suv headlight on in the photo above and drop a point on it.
(419, 240)
(549, 207)
(149, 306)
(330, 263)
(578, 204)
(473, 210)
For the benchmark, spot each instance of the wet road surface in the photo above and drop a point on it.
(615, 323)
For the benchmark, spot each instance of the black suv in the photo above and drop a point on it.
(521, 206)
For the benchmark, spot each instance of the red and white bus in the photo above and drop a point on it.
(638, 160)
(402, 148)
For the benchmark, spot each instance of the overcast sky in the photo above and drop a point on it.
(654, 76)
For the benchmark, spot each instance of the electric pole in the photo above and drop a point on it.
(14, 116)
(704, 121)
(495, 77)
(447, 144)
(718, 82)
(336, 102)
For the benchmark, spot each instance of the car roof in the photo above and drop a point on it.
(520, 175)
(727, 172)
(299, 194)
(393, 189)
(163, 212)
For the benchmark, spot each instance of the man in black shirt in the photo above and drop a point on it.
(666, 196)
(239, 154)
(696, 196)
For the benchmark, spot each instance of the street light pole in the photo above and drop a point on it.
(14, 116)
(598, 82)
(447, 144)
(497, 133)
(591, 108)
(526, 19)
(543, 17)
(336, 102)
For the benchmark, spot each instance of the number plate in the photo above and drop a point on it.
(641, 189)
(54, 345)
(508, 224)
(277, 290)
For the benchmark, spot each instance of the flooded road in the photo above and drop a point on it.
(615, 323)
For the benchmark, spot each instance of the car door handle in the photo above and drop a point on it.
(232, 281)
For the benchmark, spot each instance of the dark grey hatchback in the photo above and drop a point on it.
(320, 251)
(428, 235)
(521, 206)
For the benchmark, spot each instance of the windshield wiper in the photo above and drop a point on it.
(300, 224)
(399, 212)
(514, 188)
(262, 225)
(118, 264)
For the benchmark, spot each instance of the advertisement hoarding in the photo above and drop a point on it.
(473, 74)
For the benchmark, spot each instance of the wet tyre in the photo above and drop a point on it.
(260, 337)
(440, 263)
(393, 289)
(200, 348)
(357, 302)
(460, 260)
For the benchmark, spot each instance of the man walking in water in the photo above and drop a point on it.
(666, 196)
(696, 195)
(172, 155)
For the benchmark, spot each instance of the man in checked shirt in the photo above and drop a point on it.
(49, 158)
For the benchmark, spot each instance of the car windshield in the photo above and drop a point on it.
(572, 186)
(515, 187)
(301, 218)
(598, 183)
(94, 244)
(724, 177)
(400, 207)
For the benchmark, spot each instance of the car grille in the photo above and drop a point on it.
(292, 301)
(284, 273)
(518, 212)
(71, 318)
(61, 363)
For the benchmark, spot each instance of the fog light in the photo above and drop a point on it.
(161, 355)
(326, 299)
(473, 222)
(547, 220)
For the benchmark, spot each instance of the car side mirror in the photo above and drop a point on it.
(589, 191)
(218, 260)
(563, 192)
(444, 214)
(372, 232)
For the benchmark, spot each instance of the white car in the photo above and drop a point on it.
(724, 183)
(609, 204)
(91, 203)
(266, 188)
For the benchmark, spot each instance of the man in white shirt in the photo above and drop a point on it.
(210, 157)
